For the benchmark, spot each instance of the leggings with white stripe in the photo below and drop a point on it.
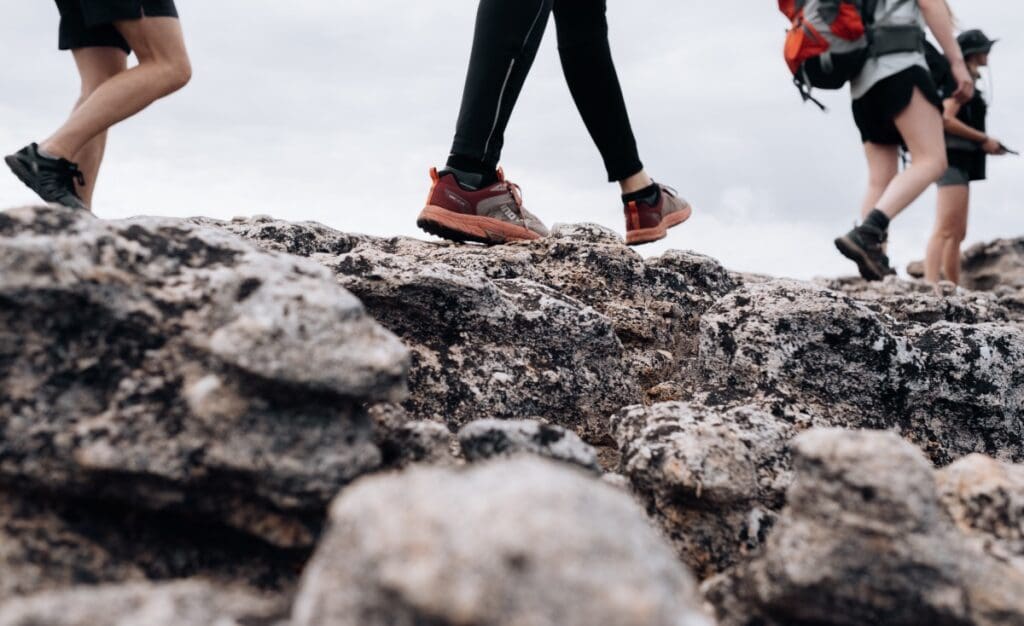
(508, 34)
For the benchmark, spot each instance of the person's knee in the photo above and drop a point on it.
(951, 231)
(934, 165)
(181, 74)
(175, 74)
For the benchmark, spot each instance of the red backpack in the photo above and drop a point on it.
(830, 40)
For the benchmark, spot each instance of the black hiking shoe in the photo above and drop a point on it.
(52, 179)
(864, 246)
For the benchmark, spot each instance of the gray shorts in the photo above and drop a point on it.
(954, 177)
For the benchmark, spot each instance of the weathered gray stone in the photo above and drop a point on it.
(187, 603)
(989, 266)
(864, 539)
(524, 541)
(179, 368)
(954, 388)
(569, 329)
(50, 544)
(712, 478)
(911, 303)
(486, 439)
(986, 499)
(404, 441)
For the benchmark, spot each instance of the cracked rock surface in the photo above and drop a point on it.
(551, 432)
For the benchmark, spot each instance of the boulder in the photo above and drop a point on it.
(712, 478)
(986, 499)
(176, 367)
(522, 541)
(864, 539)
(487, 439)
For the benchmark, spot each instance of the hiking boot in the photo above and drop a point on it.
(52, 179)
(491, 215)
(864, 245)
(646, 222)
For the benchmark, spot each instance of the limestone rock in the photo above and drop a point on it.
(954, 388)
(986, 499)
(864, 539)
(569, 329)
(188, 603)
(522, 541)
(911, 303)
(998, 263)
(711, 478)
(179, 368)
(404, 441)
(49, 544)
(486, 439)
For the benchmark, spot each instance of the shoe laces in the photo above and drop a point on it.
(76, 174)
(517, 195)
(67, 174)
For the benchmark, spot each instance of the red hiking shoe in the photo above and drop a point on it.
(646, 223)
(492, 215)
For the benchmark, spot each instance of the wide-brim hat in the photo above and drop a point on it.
(975, 42)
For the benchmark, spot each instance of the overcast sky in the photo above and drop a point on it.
(334, 110)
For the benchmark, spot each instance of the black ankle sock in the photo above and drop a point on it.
(878, 220)
(472, 172)
(647, 195)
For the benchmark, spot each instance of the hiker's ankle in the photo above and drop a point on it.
(52, 150)
(636, 182)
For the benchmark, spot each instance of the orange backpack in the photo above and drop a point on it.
(830, 40)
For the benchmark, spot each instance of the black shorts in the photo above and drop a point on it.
(965, 167)
(876, 111)
(90, 23)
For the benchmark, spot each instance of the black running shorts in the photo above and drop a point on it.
(90, 23)
(876, 112)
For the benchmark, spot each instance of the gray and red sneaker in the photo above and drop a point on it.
(646, 223)
(491, 215)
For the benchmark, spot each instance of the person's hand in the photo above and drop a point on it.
(993, 146)
(964, 82)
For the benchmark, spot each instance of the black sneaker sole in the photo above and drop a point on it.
(849, 249)
(25, 176)
(437, 230)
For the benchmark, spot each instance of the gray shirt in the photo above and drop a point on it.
(878, 69)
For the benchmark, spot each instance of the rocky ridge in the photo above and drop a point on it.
(184, 399)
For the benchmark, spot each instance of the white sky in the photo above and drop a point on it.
(333, 110)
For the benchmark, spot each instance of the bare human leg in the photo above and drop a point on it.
(883, 166)
(920, 124)
(163, 68)
(95, 67)
(950, 232)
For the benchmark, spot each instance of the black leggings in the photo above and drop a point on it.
(508, 34)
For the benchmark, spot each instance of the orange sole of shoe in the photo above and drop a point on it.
(659, 232)
(460, 227)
